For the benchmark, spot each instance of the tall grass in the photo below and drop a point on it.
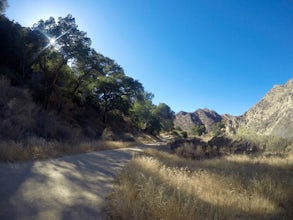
(159, 185)
(35, 148)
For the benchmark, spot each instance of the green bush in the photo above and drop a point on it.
(218, 128)
(184, 134)
(198, 130)
(175, 133)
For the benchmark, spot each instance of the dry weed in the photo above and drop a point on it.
(34, 148)
(163, 186)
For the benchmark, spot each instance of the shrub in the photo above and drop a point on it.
(178, 128)
(175, 133)
(17, 112)
(218, 128)
(190, 151)
(21, 117)
(198, 130)
(48, 126)
(184, 134)
(268, 143)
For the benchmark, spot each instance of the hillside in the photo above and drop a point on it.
(273, 115)
(187, 121)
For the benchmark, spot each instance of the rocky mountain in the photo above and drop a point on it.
(186, 121)
(273, 115)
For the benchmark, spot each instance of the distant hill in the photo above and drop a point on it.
(273, 115)
(186, 121)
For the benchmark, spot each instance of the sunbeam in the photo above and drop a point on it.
(57, 38)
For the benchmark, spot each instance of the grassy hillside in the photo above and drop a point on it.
(160, 185)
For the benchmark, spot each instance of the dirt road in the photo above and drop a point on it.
(71, 187)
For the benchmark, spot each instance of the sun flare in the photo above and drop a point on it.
(52, 41)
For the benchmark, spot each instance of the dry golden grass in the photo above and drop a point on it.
(37, 148)
(159, 185)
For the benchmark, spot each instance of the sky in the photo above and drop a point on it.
(224, 55)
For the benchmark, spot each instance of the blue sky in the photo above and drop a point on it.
(220, 54)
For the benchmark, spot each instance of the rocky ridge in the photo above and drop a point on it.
(186, 121)
(273, 115)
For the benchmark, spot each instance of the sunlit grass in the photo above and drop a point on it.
(163, 186)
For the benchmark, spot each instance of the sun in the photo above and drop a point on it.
(52, 41)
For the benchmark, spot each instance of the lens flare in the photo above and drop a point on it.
(52, 41)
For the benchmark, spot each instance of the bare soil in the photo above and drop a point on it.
(71, 187)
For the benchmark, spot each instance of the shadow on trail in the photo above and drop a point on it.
(11, 178)
(71, 187)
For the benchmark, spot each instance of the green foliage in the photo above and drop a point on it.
(198, 130)
(150, 117)
(165, 115)
(184, 134)
(52, 63)
(73, 43)
(117, 92)
(70, 78)
(179, 132)
(86, 71)
(178, 128)
(11, 46)
(218, 128)
(245, 132)
(175, 133)
(143, 116)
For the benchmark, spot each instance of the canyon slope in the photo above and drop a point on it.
(272, 115)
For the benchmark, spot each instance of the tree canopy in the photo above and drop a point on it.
(54, 59)
(3, 6)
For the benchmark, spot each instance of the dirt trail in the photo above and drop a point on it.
(71, 187)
